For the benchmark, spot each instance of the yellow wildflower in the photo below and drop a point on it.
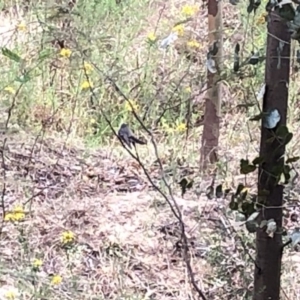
(37, 263)
(189, 10)
(134, 105)
(151, 37)
(188, 89)
(193, 44)
(64, 52)
(21, 26)
(261, 19)
(86, 85)
(56, 280)
(88, 68)
(10, 295)
(67, 237)
(17, 214)
(179, 29)
(181, 127)
(10, 90)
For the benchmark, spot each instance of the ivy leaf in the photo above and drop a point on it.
(11, 55)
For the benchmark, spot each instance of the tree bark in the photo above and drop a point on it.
(211, 122)
(268, 249)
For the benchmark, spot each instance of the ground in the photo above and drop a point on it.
(81, 219)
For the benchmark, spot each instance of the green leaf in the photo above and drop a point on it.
(256, 118)
(226, 192)
(11, 55)
(23, 79)
(245, 167)
(288, 138)
(287, 12)
(251, 227)
(248, 208)
(233, 205)
(185, 185)
(258, 160)
(239, 189)
(270, 140)
(282, 131)
(219, 191)
(292, 159)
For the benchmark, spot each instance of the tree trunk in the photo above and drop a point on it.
(268, 249)
(211, 122)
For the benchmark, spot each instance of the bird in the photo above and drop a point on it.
(126, 135)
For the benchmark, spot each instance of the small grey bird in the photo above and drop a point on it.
(126, 135)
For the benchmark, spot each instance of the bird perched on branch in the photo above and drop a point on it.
(126, 135)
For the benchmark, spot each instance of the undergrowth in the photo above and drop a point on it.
(69, 230)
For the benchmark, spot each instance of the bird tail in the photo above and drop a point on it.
(138, 141)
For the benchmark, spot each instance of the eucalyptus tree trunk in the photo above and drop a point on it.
(211, 122)
(270, 193)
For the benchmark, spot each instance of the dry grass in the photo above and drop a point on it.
(126, 243)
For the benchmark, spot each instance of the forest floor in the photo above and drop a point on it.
(81, 220)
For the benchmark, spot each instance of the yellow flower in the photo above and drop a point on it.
(17, 214)
(261, 19)
(86, 85)
(10, 89)
(56, 280)
(37, 263)
(21, 26)
(193, 44)
(181, 127)
(10, 295)
(64, 52)
(179, 29)
(88, 68)
(189, 10)
(67, 237)
(151, 37)
(134, 105)
(188, 89)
